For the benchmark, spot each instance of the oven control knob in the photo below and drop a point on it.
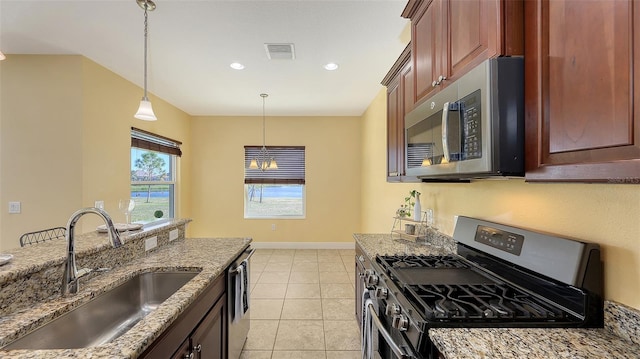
(400, 322)
(371, 278)
(382, 293)
(392, 309)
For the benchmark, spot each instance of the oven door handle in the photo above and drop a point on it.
(385, 334)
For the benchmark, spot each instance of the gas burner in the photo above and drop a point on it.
(481, 303)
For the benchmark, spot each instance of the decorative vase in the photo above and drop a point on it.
(417, 210)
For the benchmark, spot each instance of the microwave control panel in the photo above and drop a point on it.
(472, 126)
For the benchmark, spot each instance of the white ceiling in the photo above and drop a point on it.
(192, 43)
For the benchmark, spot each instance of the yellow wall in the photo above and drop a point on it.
(40, 153)
(109, 104)
(65, 136)
(605, 214)
(332, 177)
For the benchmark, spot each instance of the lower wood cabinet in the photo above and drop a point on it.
(208, 339)
(199, 332)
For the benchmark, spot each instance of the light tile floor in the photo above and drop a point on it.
(302, 305)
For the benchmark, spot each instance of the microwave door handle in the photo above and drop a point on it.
(397, 351)
(445, 132)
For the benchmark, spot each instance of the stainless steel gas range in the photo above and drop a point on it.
(502, 276)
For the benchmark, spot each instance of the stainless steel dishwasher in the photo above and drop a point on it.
(238, 289)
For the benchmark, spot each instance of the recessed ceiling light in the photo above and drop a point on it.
(331, 66)
(237, 66)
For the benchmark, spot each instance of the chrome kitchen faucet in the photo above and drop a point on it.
(71, 273)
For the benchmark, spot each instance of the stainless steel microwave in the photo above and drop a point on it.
(473, 128)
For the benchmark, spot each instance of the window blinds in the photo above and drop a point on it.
(150, 141)
(291, 165)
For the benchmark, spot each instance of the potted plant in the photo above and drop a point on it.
(407, 208)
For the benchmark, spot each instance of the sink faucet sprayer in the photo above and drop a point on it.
(71, 273)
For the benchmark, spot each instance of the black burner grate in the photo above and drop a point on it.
(482, 303)
(422, 262)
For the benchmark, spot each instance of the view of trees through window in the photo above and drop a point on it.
(152, 185)
(274, 200)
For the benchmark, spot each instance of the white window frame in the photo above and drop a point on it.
(294, 173)
(144, 141)
(172, 199)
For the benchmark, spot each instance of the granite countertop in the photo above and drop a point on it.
(620, 338)
(384, 244)
(209, 256)
(531, 343)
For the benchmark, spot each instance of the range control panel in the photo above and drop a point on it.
(502, 240)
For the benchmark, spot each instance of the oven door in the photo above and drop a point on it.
(379, 340)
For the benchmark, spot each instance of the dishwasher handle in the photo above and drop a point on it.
(234, 271)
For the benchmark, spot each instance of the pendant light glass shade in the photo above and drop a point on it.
(145, 111)
(273, 165)
(2, 57)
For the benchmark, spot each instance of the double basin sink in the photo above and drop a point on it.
(107, 316)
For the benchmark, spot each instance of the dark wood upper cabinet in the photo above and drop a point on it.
(399, 83)
(450, 37)
(426, 48)
(582, 66)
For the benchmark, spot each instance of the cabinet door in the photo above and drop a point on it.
(471, 34)
(406, 85)
(581, 95)
(208, 339)
(184, 352)
(394, 106)
(425, 32)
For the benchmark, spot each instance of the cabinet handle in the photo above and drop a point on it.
(438, 81)
(188, 356)
(199, 348)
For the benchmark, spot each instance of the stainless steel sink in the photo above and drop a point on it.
(107, 316)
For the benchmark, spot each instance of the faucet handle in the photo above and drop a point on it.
(83, 271)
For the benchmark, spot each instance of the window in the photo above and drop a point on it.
(275, 193)
(153, 176)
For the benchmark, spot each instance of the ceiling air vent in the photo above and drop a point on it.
(280, 51)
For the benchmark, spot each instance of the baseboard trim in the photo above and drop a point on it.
(303, 245)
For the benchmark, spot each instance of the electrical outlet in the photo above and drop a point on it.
(150, 243)
(15, 207)
(173, 235)
(273, 226)
(99, 205)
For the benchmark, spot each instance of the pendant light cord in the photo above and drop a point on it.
(264, 131)
(145, 54)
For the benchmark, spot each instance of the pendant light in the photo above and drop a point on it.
(145, 112)
(2, 57)
(264, 161)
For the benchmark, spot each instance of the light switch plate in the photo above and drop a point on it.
(15, 207)
(173, 235)
(150, 243)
